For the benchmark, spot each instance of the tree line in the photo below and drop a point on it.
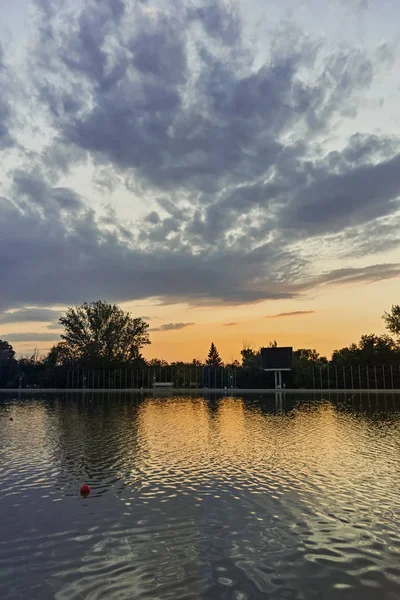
(99, 337)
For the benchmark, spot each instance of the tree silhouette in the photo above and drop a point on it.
(103, 332)
(392, 320)
(371, 349)
(7, 352)
(8, 364)
(196, 363)
(213, 358)
(250, 356)
(157, 362)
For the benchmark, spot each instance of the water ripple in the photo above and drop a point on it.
(195, 498)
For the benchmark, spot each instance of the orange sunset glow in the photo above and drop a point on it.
(333, 318)
(229, 174)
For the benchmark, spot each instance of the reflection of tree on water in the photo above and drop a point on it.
(97, 438)
(218, 483)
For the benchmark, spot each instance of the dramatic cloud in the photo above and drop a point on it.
(30, 337)
(6, 139)
(229, 324)
(293, 313)
(328, 202)
(171, 326)
(368, 274)
(224, 154)
(33, 315)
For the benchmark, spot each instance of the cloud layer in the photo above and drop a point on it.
(38, 336)
(171, 326)
(293, 313)
(30, 315)
(228, 152)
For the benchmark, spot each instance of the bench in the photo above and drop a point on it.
(158, 384)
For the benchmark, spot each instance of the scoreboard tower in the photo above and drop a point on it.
(277, 359)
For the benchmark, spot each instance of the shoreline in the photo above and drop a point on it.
(202, 391)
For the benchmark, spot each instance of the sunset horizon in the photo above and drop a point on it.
(331, 327)
(228, 170)
(199, 299)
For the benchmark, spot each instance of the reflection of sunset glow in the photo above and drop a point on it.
(198, 442)
(180, 427)
(30, 426)
(181, 430)
(178, 483)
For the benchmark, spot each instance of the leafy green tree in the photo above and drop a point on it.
(213, 358)
(98, 332)
(392, 320)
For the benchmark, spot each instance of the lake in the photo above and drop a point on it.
(216, 497)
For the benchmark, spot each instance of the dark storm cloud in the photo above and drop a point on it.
(170, 100)
(293, 313)
(33, 315)
(171, 326)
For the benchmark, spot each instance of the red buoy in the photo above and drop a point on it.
(85, 490)
(11, 419)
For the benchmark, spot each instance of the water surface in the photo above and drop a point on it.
(199, 498)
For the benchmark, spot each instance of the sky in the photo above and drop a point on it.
(228, 170)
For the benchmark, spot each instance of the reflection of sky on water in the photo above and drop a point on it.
(194, 496)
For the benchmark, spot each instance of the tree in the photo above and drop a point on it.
(308, 355)
(371, 349)
(392, 320)
(213, 358)
(7, 352)
(99, 332)
(61, 354)
(250, 356)
(305, 362)
(8, 364)
(233, 364)
(196, 362)
(157, 362)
